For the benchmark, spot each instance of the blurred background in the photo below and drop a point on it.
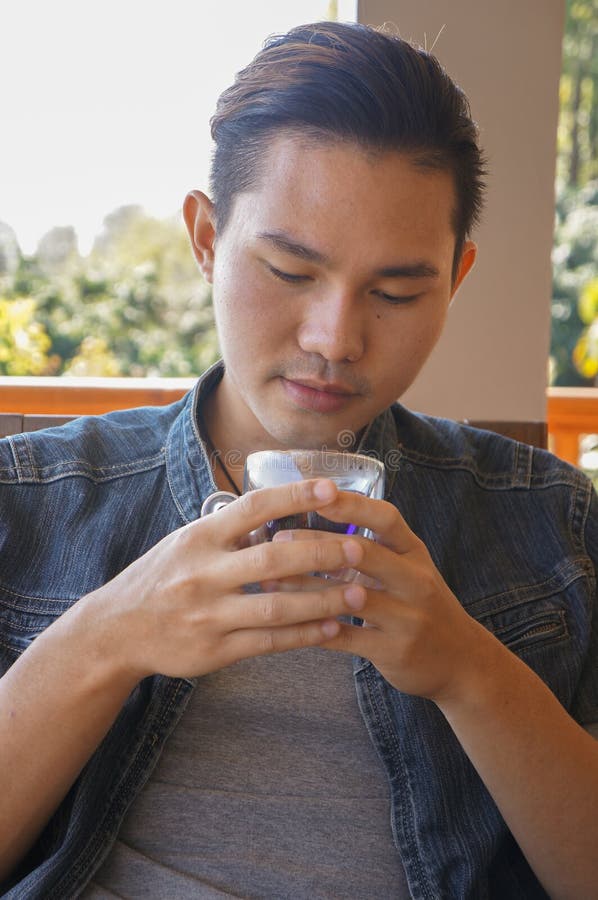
(105, 118)
(574, 338)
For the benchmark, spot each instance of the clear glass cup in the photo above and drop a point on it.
(270, 468)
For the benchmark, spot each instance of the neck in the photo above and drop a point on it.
(227, 458)
(233, 432)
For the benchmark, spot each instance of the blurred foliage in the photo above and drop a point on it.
(574, 339)
(24, 343)
(578, 117)
(137, 305)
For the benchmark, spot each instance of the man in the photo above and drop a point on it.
(157, 740)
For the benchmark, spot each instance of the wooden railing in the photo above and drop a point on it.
(571, 412)
(87, 396)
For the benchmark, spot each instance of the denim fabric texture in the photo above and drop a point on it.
(513, 530)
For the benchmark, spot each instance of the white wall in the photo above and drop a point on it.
(491, 362)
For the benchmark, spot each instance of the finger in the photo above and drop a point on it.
(355, 639)
(379, 516)
(302, 582)
(380, 567)
(305, 534)
(312, 582)
(405, 576)
(273, 561)
(278, 609)
(296, 583)
(255, 508)
(262, 641)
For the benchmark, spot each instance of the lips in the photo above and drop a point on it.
(318, 396)
(326, 387)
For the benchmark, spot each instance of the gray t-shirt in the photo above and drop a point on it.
(269, 787)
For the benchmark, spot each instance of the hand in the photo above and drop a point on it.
(181, 610)
(416, 632)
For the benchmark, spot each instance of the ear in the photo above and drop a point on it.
(466, 263)
(198, 212)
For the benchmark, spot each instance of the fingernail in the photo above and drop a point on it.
(283, 536)
(352, 552)
(324, 490)
(355, 596)
(331, 628)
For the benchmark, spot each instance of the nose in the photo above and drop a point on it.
(333, 327)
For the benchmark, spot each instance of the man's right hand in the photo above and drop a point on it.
(181, 610)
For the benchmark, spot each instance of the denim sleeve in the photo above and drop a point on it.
(585, 704)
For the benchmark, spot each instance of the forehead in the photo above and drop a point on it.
(341, 193)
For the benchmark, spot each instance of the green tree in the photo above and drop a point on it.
(575, 256)
(574, 338)
(24, 343)
(137, 305)
(578, 123)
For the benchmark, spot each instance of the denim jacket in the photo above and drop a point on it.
(513, 531)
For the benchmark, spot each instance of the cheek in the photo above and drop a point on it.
(246, 309)
(428, 334)
(412, 338)
(424, 345)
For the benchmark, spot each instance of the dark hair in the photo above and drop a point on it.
(354, 83)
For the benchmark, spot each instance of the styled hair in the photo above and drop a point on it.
(349, 82)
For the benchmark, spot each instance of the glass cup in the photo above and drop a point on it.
(270, 468)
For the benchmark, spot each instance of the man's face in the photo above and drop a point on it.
(331, 285)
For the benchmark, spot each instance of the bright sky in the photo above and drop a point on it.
(107, 103)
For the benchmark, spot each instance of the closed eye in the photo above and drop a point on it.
(287, 276)
(396, 300)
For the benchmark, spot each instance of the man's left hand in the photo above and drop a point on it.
(416, 632)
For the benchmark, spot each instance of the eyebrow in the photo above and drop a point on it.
(418, 269)
(283, 242)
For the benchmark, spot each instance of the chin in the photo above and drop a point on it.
(306, 440)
